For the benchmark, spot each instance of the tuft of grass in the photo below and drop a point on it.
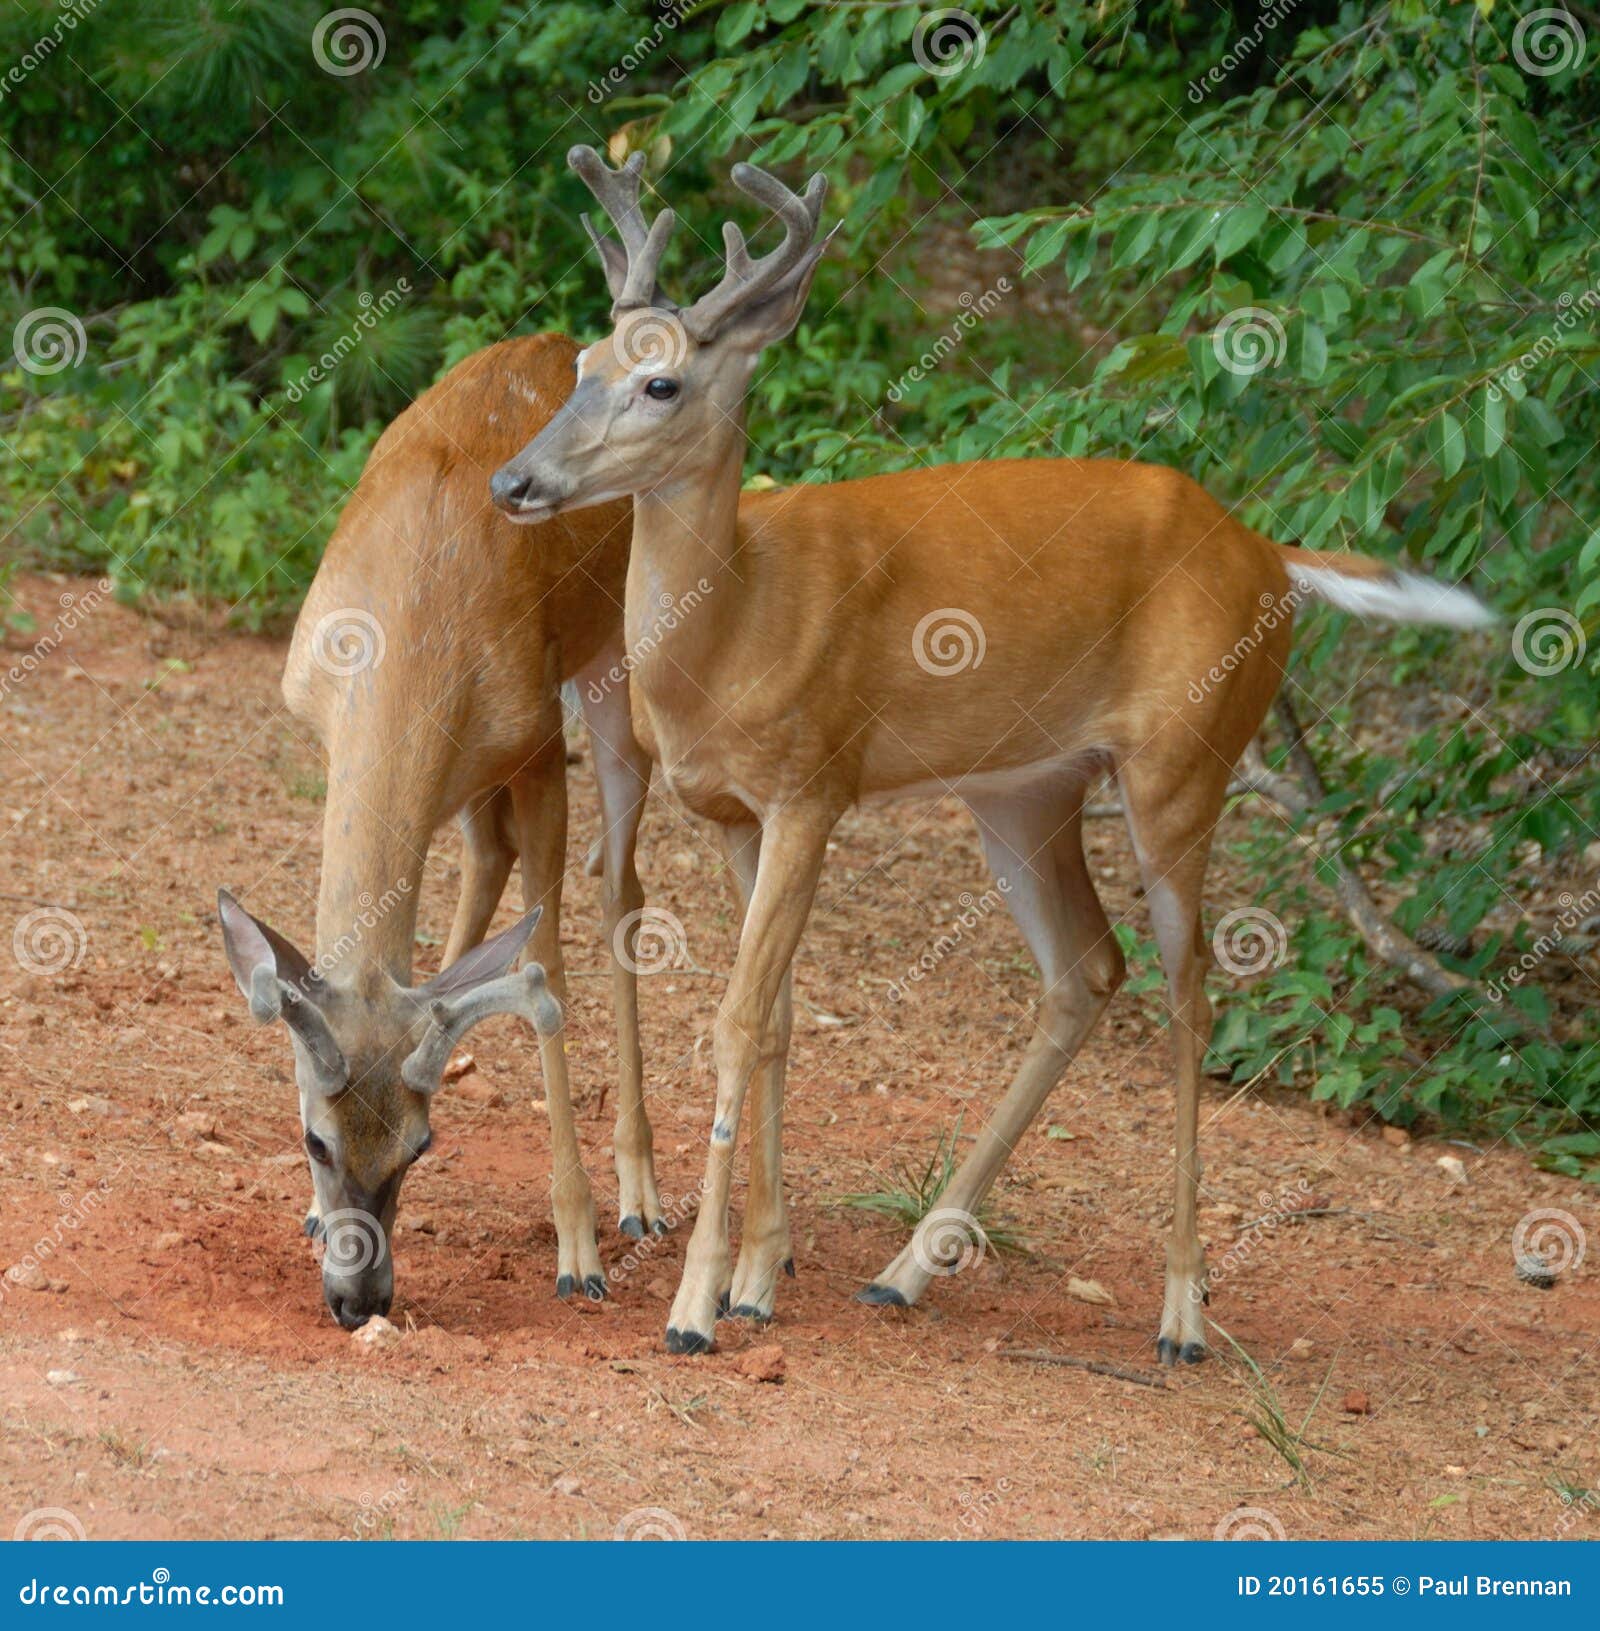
(1265, 1413)
(914, 1193)
(308, 785)
(124, 1451)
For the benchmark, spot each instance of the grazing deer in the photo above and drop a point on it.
(1093, 592)
(429, 658)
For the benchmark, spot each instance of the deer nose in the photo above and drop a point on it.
(354, 1307)
(508, 489)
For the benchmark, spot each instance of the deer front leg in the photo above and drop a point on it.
(539, 795)
(793, 844)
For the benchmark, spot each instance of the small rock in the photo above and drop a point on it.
(660, 1289)
(1356, 1403)
(1536, 1272)
(168, 1240)
(28, 1277)
(422, 1224)
(90, 1107)
(1455, 1472)
(1090, 1291)
(200, 1123)
(482, 1093)
(62, 1378)
(763, 1364)
(566, 1485)
(1453, 1168)
(1398, 1137)
(211, 1150)
(376, 1333)
(1301, 1348)
(462, 1065)
(520, 1446)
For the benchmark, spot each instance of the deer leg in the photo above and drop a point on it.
(1033, 842)
(622, 769)
(793, 843)
(764, 1249)
(539, 796)
(1170, 819)
(487, 856)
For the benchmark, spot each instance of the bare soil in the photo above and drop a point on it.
(177, 1375)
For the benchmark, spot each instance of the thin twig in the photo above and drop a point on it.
(1043, 1356)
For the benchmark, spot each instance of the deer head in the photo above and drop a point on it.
(657, 399)
(367, 1062)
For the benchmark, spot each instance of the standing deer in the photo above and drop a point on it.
(429, 658)
(814, 678)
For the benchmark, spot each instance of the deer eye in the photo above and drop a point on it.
(317, 1150)
(661, 390)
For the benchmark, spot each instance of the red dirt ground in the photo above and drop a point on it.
(178, 1375)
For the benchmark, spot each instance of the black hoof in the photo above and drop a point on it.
(566, 1285)
(312, 1226)
(661, 1227)
(1166, 1350)
(632, 1227)
(687, 1342)
(788, 1267)
(1191, 1353)
(881, 1296)
(749, 1311)
(594, 1287)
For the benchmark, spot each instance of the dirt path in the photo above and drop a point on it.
(177, 1375)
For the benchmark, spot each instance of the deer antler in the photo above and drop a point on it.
(450, 1018)
(630, 266)
(745, 280)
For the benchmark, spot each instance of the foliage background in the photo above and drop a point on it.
(1400, 195)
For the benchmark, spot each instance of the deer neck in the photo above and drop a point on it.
(386, 774)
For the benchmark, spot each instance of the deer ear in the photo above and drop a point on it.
(249, 943)
(483, 963)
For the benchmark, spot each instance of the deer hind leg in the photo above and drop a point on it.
(622, 769)
(1171, 818)
(488, 852)
(764, 1247)
(1033, 841)
(539, 796)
